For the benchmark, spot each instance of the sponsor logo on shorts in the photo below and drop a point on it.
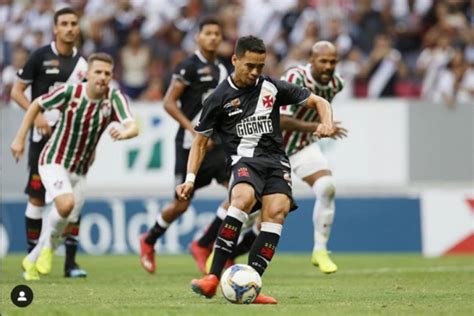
(243, 172)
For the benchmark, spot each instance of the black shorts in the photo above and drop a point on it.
(34, 186)
(214, 166)
(266, 175)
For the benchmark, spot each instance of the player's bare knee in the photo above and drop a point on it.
(243, 197)
(179, 207)
(64, 205)
(36, 201)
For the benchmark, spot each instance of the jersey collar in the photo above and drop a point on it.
(234, 86)
(203, 59)
(55, 50)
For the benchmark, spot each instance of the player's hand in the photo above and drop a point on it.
(116, 134)
(339, 131)
(17, 148)
(42, 125)
(324, 130)
(184, 190)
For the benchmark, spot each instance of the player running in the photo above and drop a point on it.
(86, 110)
(306, 158)
(193, 80)
(244, 112)
(47, 68)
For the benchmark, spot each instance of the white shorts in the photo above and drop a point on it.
(58, 181)
(308, 161)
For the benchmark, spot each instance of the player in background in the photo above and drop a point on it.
(47, 68)
(307, 160)
(86, 110)
(244, 111)
(193, 80)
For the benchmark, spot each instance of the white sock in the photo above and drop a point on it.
(162, 222)
(323, 212)
(55, 229)
(221, 212)
(237, 214)
(33, 211)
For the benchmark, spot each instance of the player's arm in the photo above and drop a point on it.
(322, 106)
(196, 156)
(130, 130)
(18, 144)
(170, 103)
(289, 123)
(18, 95)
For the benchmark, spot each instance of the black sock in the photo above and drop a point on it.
(245, 245)
(71, 243)
(154, 233)
(225, 243)
(263, 250)
(210, 234)
(33, 231)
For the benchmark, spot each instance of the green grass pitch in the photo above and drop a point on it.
(378, 284)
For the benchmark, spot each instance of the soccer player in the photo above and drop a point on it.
(47, 68)
(244, 112)
(306, 158)
(193, 80)
(86, 110)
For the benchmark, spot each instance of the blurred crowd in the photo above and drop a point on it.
(388, 48)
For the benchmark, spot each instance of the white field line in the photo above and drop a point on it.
(407, 269)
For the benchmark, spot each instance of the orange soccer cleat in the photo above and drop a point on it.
(206, 285)
(263, 299)
(147, 255)
(200, 254)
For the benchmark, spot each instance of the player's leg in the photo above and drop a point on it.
(310, 165)
(71, 268)
(214, 166)
(275, 208)
(201, 249)
(36, 194)
(170, 213)
(242, 201)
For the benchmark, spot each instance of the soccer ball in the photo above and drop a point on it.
(240, 284)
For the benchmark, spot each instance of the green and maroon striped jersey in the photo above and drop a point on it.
(301, 75)
(80, 125)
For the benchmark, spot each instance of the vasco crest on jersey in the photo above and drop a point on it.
(233, 107)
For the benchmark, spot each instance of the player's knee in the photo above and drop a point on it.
(65, 205)
(36, 201)
(180, 207)
(243, 197)
(325, 187)
(275, 215)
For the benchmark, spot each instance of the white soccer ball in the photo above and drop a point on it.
(240, 284)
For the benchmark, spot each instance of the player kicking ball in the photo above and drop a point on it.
(86, 110)
(244, 111)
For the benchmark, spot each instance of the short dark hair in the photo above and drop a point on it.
(102, 57)
(209, 20)
(63, 11)
(249, 43)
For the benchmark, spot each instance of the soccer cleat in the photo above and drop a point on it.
(200, 255)
(31, 273)
(44, 264)
(147, 255)
(74, 272)
(206, 285)
(263, 299)
(321, 259)
(229, 263)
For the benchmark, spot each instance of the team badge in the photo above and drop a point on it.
(105, 109)
(243, 172)
(268, 101)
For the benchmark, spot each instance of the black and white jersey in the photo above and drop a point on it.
(248, 120)
(201, 77)
(46, 69)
